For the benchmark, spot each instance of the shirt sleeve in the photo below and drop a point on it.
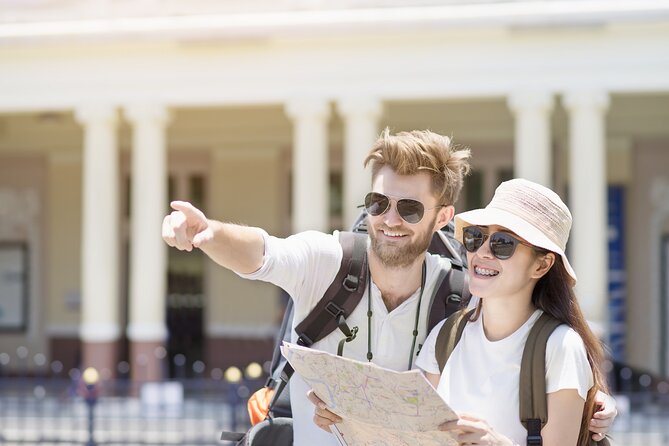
(567, 365)
(427, 360)
(303, 264)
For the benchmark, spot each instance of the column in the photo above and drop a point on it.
(587, 199)
(99, 329)
(146, 329)
(361, 120)
(532, 158)
(310, 164)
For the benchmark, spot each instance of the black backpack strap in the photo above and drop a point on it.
(452, 293)
(338, 302)
(343, 295)
(533, 406)
(280, 369)
(450, 334)
(283, 335)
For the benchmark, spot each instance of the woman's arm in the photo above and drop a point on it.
(565, 410)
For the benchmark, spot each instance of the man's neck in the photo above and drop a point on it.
(396, 284)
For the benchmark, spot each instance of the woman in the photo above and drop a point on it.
(518, 270)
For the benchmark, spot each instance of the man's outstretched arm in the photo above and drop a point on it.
(238, 248)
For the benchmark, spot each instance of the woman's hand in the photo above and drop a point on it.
(322, 416)
(601, 422)
(471, 430)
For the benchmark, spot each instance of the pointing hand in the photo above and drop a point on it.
(186, 227)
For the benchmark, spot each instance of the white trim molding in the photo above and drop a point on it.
(97, 332)
(146, 332)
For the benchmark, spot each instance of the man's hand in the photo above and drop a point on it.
(472, 430)
(322, 416)
(603, 418)
(187, 227)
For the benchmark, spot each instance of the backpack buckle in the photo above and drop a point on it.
(454, 298)
(334, 309)
(534, 432)
(350, 284)
(304, 340)
(534, 440)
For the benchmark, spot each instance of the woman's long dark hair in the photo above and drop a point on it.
(554, 294)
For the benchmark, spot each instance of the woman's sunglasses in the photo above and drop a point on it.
(410, 210)
(502, 244)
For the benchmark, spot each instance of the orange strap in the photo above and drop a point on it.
(258, 405)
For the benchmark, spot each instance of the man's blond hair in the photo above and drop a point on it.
(408, 153)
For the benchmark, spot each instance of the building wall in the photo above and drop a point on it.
(22, 210)
(650, 162)
(64, 241)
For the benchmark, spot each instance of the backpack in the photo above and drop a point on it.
(533, 410)
(272, 402)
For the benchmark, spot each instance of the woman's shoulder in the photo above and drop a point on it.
(563, 343)
(567, 365)
(565, 337)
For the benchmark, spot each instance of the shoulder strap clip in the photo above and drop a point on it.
(454, 298)
(534, 432)
(350, 284)
(304, 340)
(334, 309)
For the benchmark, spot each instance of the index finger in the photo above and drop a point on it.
(311, 395)
(449, 425)
(465, 423)
(188, 209)
(469, 417)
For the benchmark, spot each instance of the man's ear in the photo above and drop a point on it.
(444, 215)
(544, 263)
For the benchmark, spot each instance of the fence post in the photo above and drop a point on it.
(91, 379)
(233, 377)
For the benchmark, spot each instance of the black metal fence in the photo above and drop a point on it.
(47, 405)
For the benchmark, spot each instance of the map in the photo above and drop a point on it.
(378, 406)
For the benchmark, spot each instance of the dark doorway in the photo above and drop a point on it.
(185, 313)
(184, 310)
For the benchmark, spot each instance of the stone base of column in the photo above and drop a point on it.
(225, 352)
(101, 355)
(66, 350)
(147, 361)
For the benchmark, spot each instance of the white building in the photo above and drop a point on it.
(261, 112)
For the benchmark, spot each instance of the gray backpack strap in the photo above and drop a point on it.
(450, 334)
(533, 406)
(451, 294)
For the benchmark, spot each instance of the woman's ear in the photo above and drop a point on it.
(543, 264)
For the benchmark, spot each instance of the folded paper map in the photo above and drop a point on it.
(378, 406)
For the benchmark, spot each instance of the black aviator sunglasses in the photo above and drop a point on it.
(502, 244)
(410, 210)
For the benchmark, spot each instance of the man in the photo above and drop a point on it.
(416, 178)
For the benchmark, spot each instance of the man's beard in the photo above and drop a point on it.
(400, 256)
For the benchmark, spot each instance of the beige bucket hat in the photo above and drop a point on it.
(532, 211)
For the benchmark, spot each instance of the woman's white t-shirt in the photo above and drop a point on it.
(481, 377)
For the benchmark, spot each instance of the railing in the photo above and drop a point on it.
(56, 409)
(63, 408)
